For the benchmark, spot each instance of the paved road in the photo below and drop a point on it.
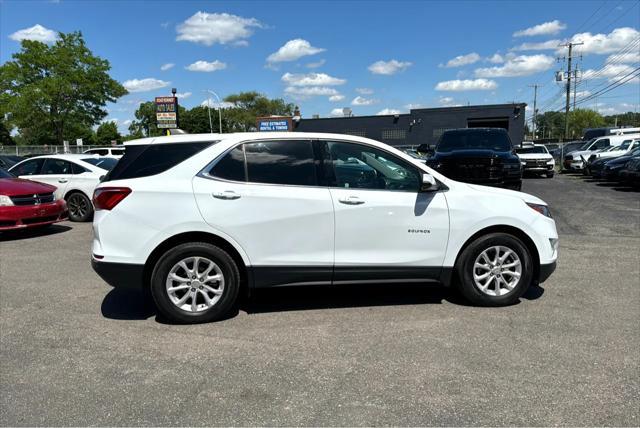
(75, 352)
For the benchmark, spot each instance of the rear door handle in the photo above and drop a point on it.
(227, 195)
(62, 180)
(351, 200)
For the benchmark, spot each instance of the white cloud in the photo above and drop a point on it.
(316, 64)
(604, 43)
(609, 71)
(466, 85)
(37, 33)
(361, 101)
(336, 112)
(523, 65)
(336, 98)
(127, 122)
(206, 67)
(411, 106)
(387, 111)
(551, 27)
(541, 46)
(389, 67)
(167, 66)
(304, 92)
(165, 24)
(445, 100)
(211, 28)
(293, 50)
(496, 59)
(624, 58)
(311, 79)
(582, 94)
(143, 85)
(461, 60)
(364, 91)
(183, 95)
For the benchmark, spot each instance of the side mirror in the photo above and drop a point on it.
(428, 183)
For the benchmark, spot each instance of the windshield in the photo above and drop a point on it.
(470, 140)
(534, 149)
(5, 174)
(586, 145)
(104, 163)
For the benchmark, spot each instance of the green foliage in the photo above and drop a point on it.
(196, 120)
(581, 119)
(107, 133)
(5, 135)
(623, 119)
(52, 89)
(250, 105)
(550, 124)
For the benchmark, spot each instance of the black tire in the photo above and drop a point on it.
(549, 174)
(221, 309)
(80, 207)
(465, 269)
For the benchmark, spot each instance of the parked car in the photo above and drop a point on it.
(74, 175)
(26, 203)
(576, 160)
(271, 209)
(630, 174)
(627, 146)
(564, 149)
(612, 167)
(478, 155)
(114, 152)
(536, 159)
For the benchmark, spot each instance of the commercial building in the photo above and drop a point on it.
(424, 125)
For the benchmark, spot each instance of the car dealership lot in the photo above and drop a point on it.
(75, 352)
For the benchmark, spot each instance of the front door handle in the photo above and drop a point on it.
(227, 195)
(62, 180)
(351, 200)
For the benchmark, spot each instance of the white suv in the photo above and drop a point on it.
(195, 219)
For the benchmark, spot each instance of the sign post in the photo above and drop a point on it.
(167, 112)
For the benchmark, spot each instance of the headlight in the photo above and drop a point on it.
(542, 209)
(512, 166)
(5, 201)
(523, 163)
(551, 162)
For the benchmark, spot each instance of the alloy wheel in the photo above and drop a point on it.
(195, 284)
(78, 206)
(497, 270)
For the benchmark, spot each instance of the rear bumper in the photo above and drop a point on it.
(546, 271)
(119, 275)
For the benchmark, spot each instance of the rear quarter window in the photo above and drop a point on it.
(152, 159)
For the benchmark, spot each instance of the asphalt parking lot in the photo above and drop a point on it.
(73, 351)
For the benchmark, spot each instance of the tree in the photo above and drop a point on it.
(247, 106)
(550, 124)
(196, 120)
(52, 88)
(581, 119)
(5, 135)
(623, 119)
(107, 133)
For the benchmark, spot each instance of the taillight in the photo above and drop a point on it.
(105, 198)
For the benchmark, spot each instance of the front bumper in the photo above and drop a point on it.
(23, 216)
(120, 275)
(546, 271)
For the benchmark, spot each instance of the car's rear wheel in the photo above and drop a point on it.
(80, 207)
(495, 270)
(195, 282)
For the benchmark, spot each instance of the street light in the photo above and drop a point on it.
(219, 110)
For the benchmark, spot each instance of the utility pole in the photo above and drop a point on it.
(568, 87)
(535, 87)
(575, 86)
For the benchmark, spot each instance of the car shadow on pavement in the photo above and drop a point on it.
(34, 232)
(123, 304)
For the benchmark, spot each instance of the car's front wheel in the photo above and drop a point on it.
(195, 282)
(495, 270)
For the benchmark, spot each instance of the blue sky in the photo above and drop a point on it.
(373, 57)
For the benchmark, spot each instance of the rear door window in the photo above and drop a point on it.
(231, 166)
(56, 167)
(289, 162)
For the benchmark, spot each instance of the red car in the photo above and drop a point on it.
(26, 203)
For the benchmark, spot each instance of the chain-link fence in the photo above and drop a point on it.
(44, 150)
